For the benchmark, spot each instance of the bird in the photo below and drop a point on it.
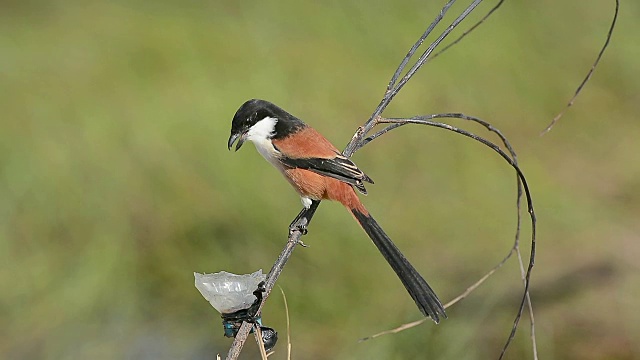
(317, 170)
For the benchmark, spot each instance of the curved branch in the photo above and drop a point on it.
(589, 74)
(422, 120)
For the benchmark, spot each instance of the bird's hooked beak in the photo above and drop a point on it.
(242, 137)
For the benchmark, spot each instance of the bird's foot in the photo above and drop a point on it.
(300, 224)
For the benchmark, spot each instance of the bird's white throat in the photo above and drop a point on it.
(260, 135)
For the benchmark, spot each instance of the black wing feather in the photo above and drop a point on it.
(340, 168)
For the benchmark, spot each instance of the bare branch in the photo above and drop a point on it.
(272, 277)
(467, 32)
(392, 91)
(589, 74)
(258, 332)
(397, 329)
(423, 121)
(286, 311)
(418, 43)
(534, 344)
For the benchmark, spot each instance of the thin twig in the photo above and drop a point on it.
(530, 307)
(494, 147)
(468, 31)
(589, 74)
(396, 330)
(452, 302)
(418, 43)
(258, 332)
(475, 285)
(516, 247)
(286, 312)
(525, 298)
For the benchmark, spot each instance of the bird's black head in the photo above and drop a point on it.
(256, 110)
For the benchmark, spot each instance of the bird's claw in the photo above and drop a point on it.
(299, 225)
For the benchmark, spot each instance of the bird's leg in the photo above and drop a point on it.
(302, 220)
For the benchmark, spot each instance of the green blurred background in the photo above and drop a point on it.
(116, 184)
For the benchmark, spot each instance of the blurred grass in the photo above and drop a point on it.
(116, 184)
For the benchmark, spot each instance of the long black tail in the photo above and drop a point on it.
(420, 291)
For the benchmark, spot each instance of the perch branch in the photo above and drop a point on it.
(272, 277)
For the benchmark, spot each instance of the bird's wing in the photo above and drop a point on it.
(339, 167)
(309, 150)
